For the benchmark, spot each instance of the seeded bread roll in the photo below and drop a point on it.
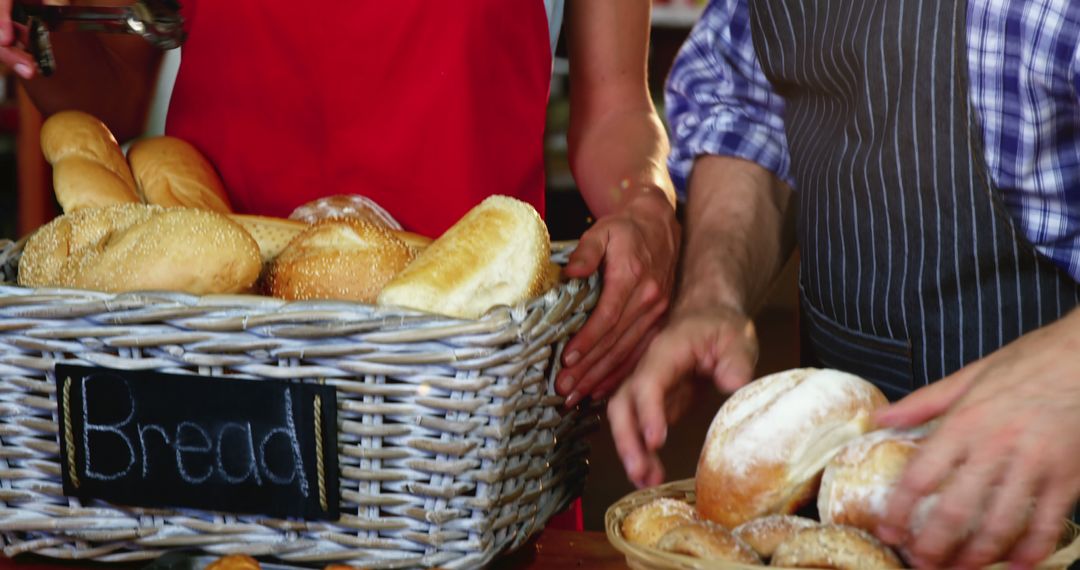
(768, 444)
(135, 247)
(89, 170)
(272, 234)
(171, 172)
(497, 254)
(345, 206)
(340, 259)
(837, 547)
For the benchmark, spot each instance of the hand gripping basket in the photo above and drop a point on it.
(453, 446)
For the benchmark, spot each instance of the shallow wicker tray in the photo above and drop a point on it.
(453, 446)
(643, 558)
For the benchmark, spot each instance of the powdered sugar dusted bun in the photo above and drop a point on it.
(766, 533)
(834, 546)
(345, 206)
(703, 539)
(647, 523)
(858, 479)
(769, 442)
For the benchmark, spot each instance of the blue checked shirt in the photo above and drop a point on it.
(1024, 68)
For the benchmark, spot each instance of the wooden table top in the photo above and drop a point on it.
(552, 550)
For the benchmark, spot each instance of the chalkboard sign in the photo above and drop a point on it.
(146, 439)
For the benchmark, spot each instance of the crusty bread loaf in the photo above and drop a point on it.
(648, 522)
(766, 533)
(857, 481)
(89, 169)
(171, 172)
(834, 546)
(130, 247)
(497, 254)
(337, 259)
(769, 442)
(709, 541)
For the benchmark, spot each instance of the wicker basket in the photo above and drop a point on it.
(644, 558)
(453, 446)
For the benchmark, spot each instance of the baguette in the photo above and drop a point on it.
(89, 170)
(497, 254)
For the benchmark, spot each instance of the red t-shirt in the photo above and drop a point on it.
(426, 107)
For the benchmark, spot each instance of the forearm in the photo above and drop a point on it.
(739, 233)
(619, 158)
(107, 76)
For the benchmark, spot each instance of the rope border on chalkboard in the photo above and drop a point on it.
(69, 438)
(320, 470)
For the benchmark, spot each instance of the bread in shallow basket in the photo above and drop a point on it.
(643, 558)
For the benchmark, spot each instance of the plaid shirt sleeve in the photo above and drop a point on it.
(718, 99)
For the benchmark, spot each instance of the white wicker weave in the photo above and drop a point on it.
(453, 446)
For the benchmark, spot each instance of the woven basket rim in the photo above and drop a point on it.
(638, 556)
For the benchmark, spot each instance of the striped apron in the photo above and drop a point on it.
(911, 265)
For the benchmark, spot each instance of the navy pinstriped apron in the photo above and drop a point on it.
(911, 265)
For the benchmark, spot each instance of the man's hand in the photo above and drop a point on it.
(637, 247)
(1005, 460)
(719, 344)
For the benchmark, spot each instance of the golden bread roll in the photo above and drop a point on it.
(834, 546)
(345, 206)
(136, 247)
(337, 259)
(703, 539)
(416, 242)
(89, 170)
(856, 484)
(768, 444)
(234, 562)
(272, 234)
(647, 523)
(497, 254)
(766, 533)
(171, 172)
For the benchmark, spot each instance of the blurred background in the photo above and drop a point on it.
(26, 202)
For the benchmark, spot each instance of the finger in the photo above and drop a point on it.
(619, 284)
(927, 403)
(1005, 518)
(588, 254)
(1053, 505)
(959, 508)
(940, 453)
(654, 475)
(20, 61)
(627, 436)
(613, 380)
(7, 35)
(735, 360)
(605, 356)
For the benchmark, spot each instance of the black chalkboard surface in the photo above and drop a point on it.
(146, 439)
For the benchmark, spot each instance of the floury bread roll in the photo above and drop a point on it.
(338, 259)
(835, 546)
(171, 172)
(769, 442)
(497, 254)
(135, 247)
(857, 481)
(345, 206)
(706, 540)
(766, 533)
(89, 170)
(648, 523)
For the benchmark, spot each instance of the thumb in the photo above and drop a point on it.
(926, 403)
(587, 256)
